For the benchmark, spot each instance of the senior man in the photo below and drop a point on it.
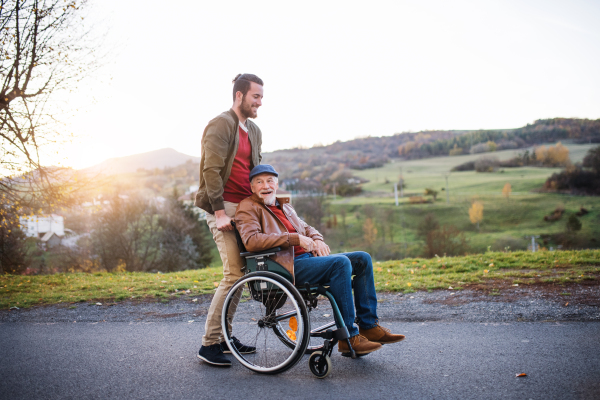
(265, 221)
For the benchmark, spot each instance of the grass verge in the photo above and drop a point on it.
(407, 275)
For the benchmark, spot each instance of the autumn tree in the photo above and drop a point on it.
(506, 190)
(476, 213)
(46, 51)
(369, 233)
(432, 193)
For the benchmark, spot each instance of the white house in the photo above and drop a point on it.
(39, 225)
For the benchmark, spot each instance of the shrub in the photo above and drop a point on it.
(556, 214)
(486, 164)
(429, 223)
(446, 240)
(468, 166)
(480, 148)
(573, 224)
(456, 151)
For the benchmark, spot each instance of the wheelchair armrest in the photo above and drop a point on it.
(268, 252)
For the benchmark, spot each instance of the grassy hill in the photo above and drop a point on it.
(494, 270)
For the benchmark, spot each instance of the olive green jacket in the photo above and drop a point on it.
(220, 142)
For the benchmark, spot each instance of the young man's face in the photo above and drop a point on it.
(265, 186)
(252, 100)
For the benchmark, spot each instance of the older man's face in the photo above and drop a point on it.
(265, 186)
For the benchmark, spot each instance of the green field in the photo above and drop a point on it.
(429, 173)
(493, 269)
(506, 222)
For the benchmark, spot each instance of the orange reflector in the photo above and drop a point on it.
(293, 324)
(291, 334)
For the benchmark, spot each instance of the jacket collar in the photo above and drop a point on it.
(234, 116)
(281, 200)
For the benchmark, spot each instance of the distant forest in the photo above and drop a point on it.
(323, 166)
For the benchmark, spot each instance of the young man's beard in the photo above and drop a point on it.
(246, 109)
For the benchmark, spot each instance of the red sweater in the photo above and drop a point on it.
(281, 215)
(237, 187)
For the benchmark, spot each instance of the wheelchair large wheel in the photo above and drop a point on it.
(255, 308)
(321, 318)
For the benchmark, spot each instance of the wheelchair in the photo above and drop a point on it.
(263, 309)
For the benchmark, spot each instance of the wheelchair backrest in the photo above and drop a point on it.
(260, 261)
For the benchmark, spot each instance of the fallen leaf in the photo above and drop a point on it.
(379, 269)
(216, 284)
(491, 265)
(450, 287)
(409, 284)
(521, 375)
(291, 334)
(98, 304)
(293, 324)
(194, 300)
(566, 304)
(485, 271)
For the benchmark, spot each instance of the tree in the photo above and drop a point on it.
(311, 209)
(127, 234)
(432, 193)
(506, 190)
(428, 224)
(45, 52)
(12, 240)
(446, 240)
(573, 224)
(183, 239)
(592, 159)
(476, 213)
(369, 233)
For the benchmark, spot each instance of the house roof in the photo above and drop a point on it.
(48, 235)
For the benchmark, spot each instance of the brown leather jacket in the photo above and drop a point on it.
(260, 229)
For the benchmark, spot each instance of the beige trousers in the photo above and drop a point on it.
(232, 265)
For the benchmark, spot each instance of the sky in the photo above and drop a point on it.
(333, 70)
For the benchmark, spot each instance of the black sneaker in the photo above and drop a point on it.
(242, 348)
(214, 355)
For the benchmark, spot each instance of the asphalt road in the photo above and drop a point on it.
(438, 360)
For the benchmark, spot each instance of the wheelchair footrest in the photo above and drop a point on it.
(338, 334)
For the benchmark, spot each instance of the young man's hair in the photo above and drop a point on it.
(241, 83)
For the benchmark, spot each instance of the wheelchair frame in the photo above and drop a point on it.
(270, 283)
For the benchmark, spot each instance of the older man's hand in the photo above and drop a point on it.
(307, 243)
(321, 249)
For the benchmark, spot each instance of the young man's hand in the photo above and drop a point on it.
(320, 249)
(307, 243)
(223, 221)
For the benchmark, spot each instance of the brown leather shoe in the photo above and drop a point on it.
(360, 344)
(379, 334)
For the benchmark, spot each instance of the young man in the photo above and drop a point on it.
(265, 221)
(231, 146)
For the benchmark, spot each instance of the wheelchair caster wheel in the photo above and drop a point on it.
(320, 365)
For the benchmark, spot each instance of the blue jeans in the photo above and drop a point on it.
(336, 271)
